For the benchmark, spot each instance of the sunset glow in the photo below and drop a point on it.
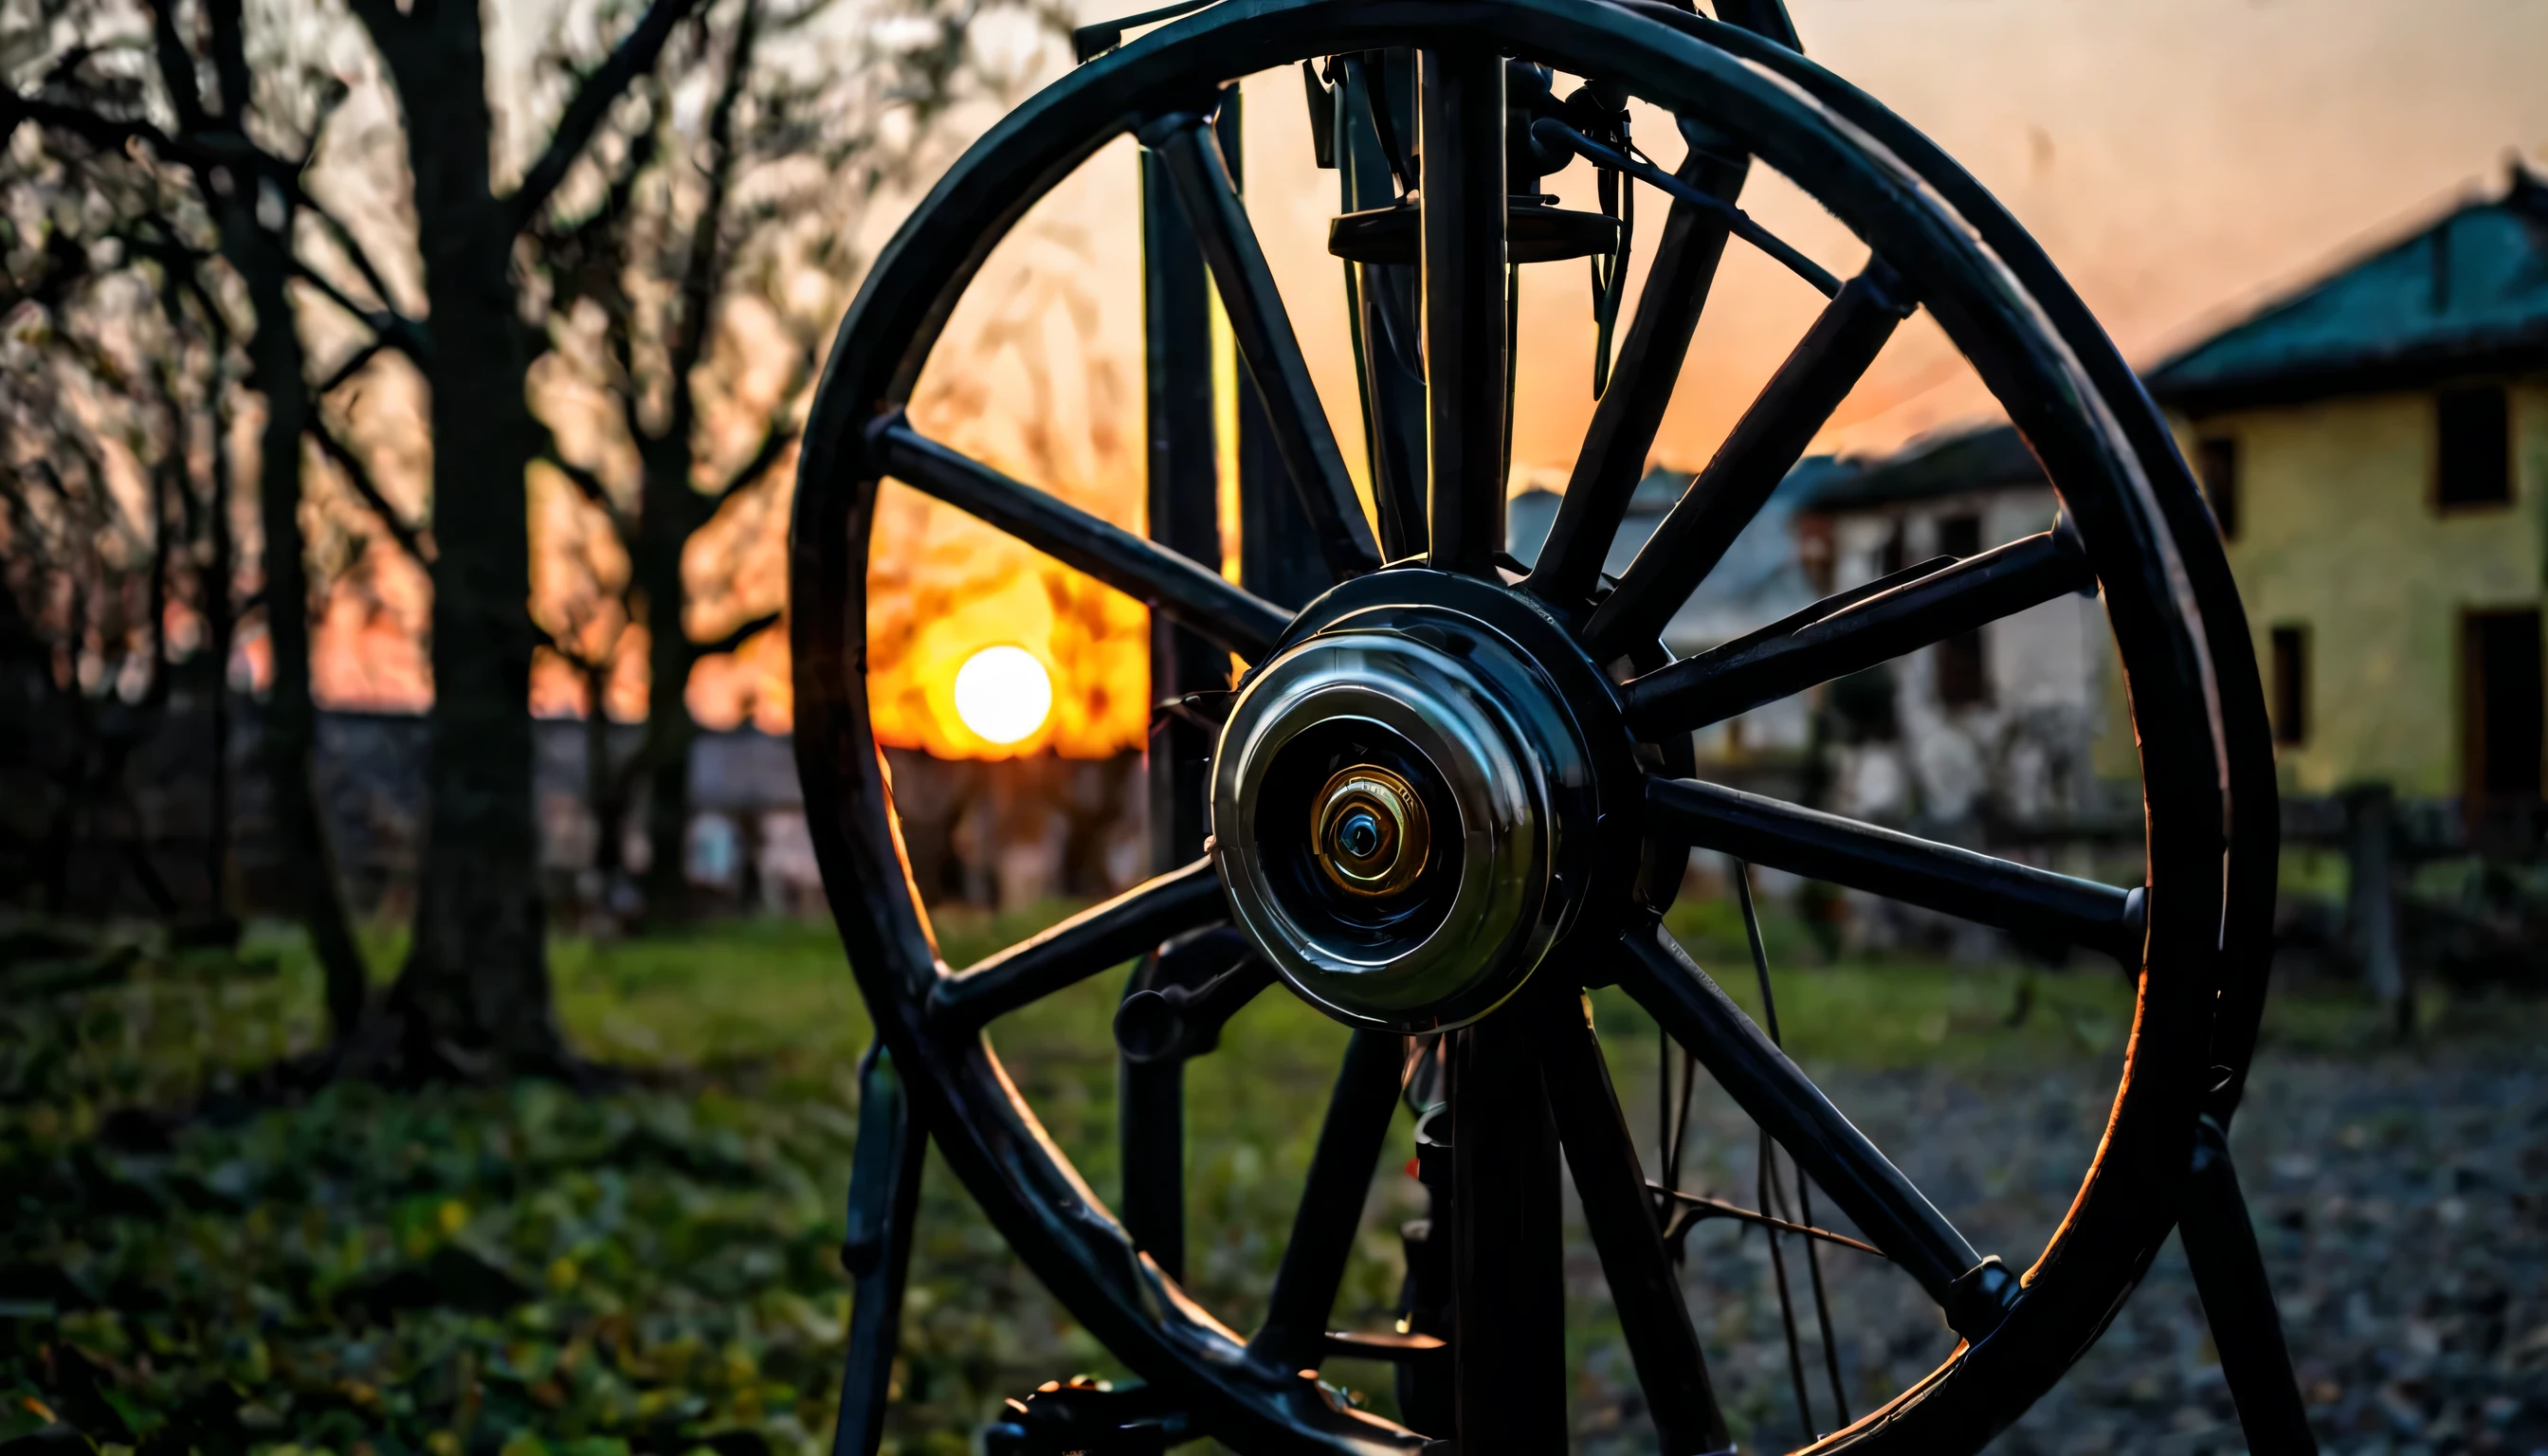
(2173, 183)
(1003, 693)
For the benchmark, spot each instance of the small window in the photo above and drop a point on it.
(2473, 461)
(1963, 674)
(2290, 684)
(1964, 678)
(1960, 535)
(2216, 462)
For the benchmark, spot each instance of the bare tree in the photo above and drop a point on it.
(226, 156)
(104, 500)
(725, 230)
(474, 995)
(167, 89)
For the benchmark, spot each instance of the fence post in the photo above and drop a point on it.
(2370, 898)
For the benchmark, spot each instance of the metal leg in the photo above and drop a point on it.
(2229, 1276)
(1151, 1120)
(884, 1194)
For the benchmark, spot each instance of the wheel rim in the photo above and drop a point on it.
(2120, 484)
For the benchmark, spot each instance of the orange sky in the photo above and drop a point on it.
(2179, 158)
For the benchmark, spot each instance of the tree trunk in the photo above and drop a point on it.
(220, 629)
(669, 511)
(605, 789)
(474, 995)
(308, 861)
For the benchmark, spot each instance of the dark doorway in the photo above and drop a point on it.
(2290, 684)
(2501, 709)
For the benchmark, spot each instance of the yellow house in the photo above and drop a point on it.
(2375, 446)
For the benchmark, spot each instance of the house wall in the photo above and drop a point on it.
(1758, 582)
(2027, 752)
(2339, 535)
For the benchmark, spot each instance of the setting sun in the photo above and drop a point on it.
(1003, 693)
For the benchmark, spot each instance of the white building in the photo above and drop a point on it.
(1990, 735)
(1760, 580)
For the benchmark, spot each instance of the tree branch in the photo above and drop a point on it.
(165, 249)
(584, 114)
(700, 272)
(543, 637)
(331, 99)
(359, 476)
(344, 236)
(388, 326)
(110, 132)
(739, 636)
(353, 365)
(176, 67)
(589, 485)
(773, 444)
(230, 59)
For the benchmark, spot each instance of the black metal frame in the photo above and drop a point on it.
(1521, 1082)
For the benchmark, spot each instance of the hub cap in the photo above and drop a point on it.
(1388, 801)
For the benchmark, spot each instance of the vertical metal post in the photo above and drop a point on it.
(1184, 515)
(1508, 1312)
(2370, 831)
(1278, 557)
(1467, 277)
(1375, 94)
(1184, 503)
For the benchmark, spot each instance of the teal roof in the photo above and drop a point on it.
(2467, 295)
(1988, 459)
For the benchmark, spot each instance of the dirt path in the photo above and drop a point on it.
(2401, 1204)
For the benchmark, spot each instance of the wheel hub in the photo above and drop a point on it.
(1370, 830)
(1396, 801)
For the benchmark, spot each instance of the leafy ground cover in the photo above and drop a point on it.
(648, 1263)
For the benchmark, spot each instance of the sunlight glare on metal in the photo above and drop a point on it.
(1003, 693)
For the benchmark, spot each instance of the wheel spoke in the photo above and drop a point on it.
(1695, 1207)
(1899, 867)
(1644, 1286)
(1765, 445)
(1324, 1228)
(1267, 346)
(1095, 938)
(1631, 410)
(1834, 639)
(1192, 594)
(1555, 136)
(1460, 129)
(1769, 1087)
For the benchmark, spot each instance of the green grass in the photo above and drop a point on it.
(654, 1267)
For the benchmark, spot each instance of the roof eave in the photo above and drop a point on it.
(2518, 352)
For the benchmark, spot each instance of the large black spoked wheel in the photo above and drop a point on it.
(1448, 797)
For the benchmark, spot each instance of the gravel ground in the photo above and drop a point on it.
(2401, 1203)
